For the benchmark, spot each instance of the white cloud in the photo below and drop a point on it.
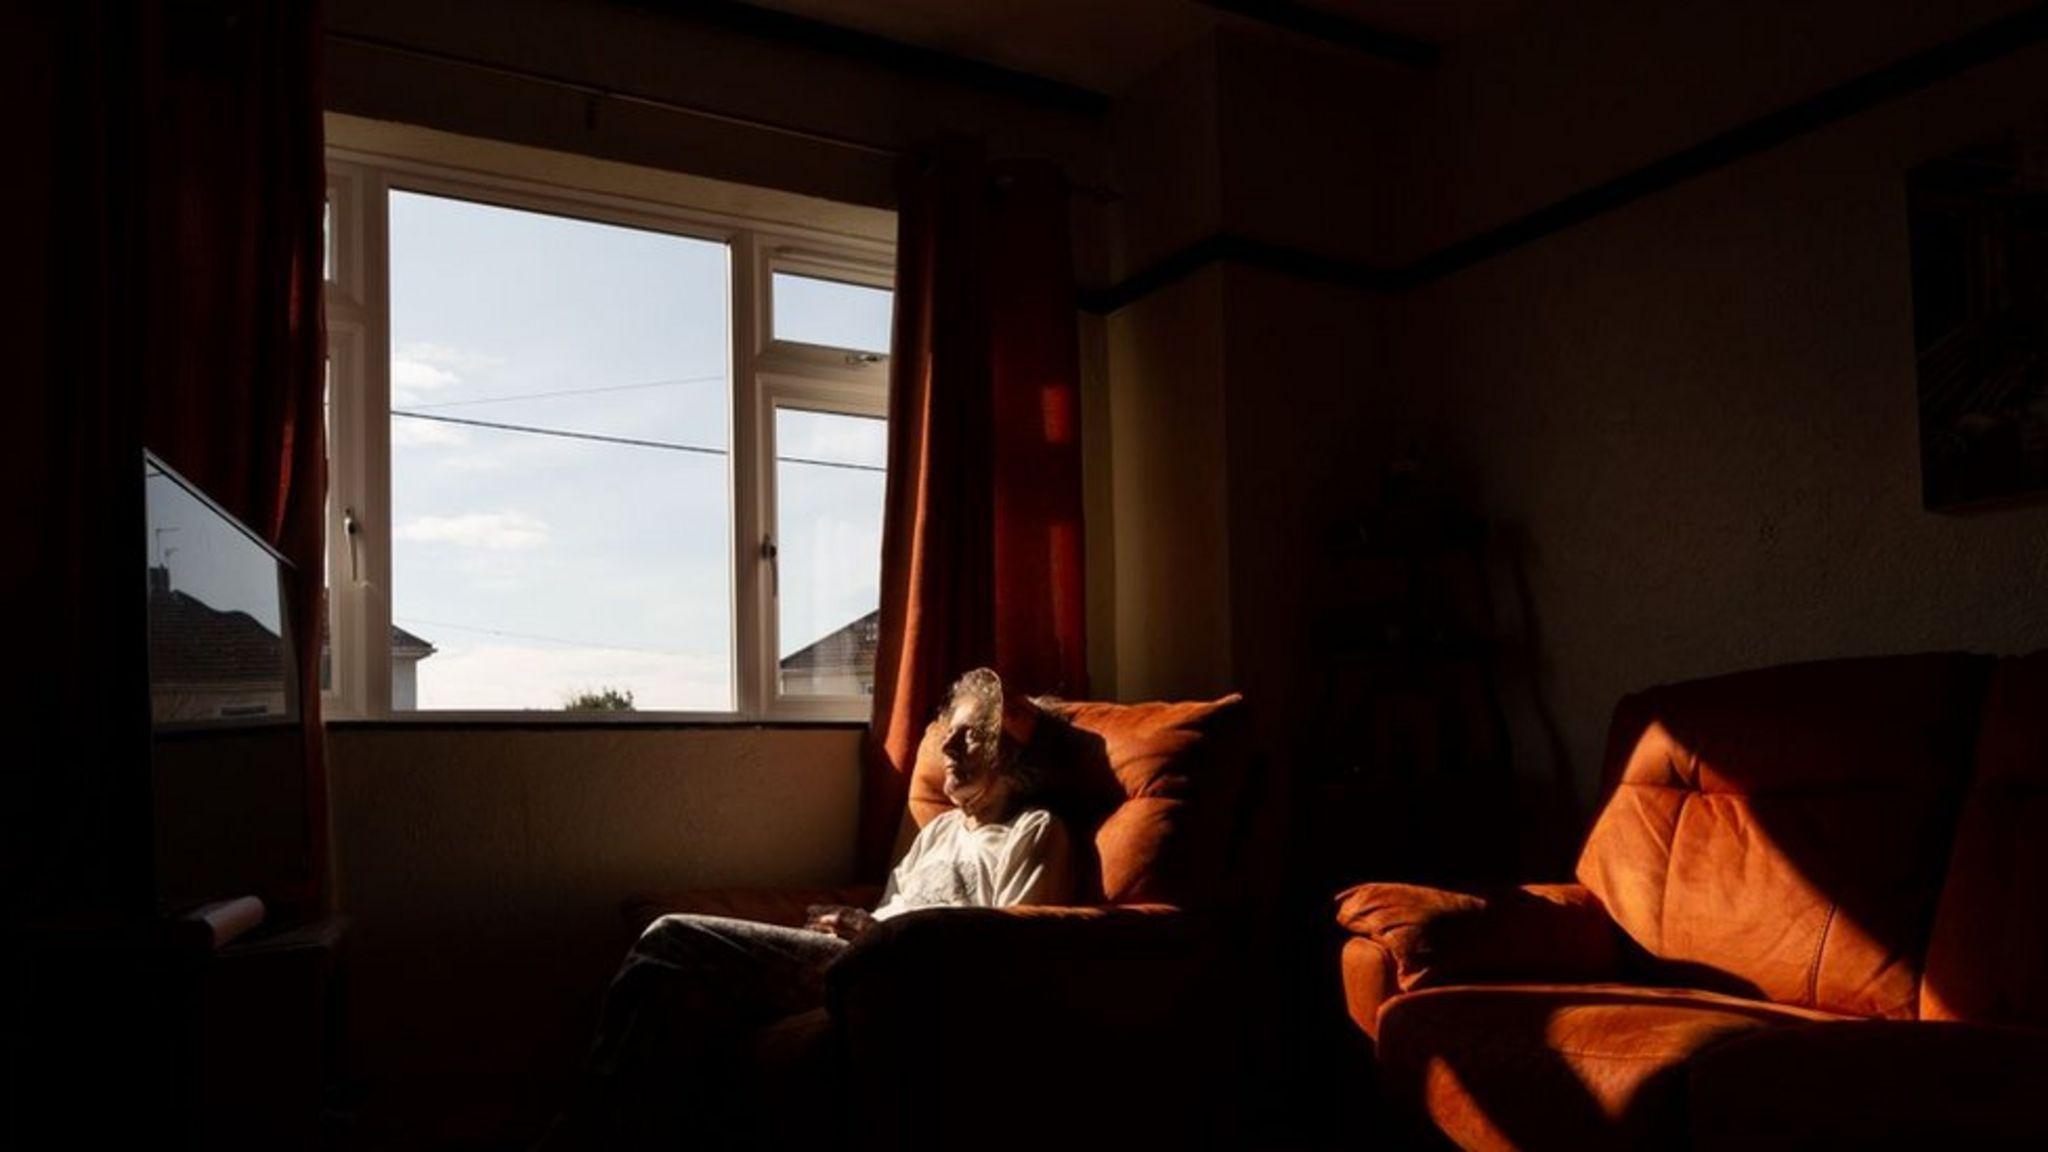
(447, 356)
(419, 376)
(500, 531)
(512, 675)
(418, 368)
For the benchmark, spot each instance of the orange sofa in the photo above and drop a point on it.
(1812, 911)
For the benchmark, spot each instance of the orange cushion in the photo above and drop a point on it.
(1782, 833)
(1436, 937)
(1154, 786)
(1988, 959)
(1559, 1066)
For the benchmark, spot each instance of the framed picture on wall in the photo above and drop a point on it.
(1979, 221)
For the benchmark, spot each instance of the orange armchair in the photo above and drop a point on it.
(1808, 915)
(1130, 988)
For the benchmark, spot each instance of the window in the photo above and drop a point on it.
(600, 453)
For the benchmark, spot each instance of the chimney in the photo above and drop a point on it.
(159, 580)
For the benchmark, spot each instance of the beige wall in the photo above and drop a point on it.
(1699, 411)
(741, 81)
(1305, 396)
(1170, 492)
(1307, 143)
(1164, 155)
(1573, 94)
(484, 868)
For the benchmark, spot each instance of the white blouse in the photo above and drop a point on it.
(1025, 861)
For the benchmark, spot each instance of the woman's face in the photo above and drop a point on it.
(975, 782)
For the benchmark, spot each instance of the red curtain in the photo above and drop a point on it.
(76, 801)
(982, 537)
(173, 207)
(234, 324)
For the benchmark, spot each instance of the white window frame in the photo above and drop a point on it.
(764, 372)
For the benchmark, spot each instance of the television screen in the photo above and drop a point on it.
(227, 760)
(220, 648)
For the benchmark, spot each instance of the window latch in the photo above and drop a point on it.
(353, 530)
(769, 553)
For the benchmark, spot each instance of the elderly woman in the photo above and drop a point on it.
(694, 986)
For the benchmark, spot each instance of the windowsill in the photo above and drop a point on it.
(518, 722)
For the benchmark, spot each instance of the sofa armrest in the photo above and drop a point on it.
(1872, 1083)
(941, 1006)
(1103, 963)
(1428, 937)
(784, 906)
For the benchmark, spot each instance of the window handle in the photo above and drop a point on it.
(353, 530)
(769, 553)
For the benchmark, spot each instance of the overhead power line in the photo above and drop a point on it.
(629, 441)
(561, 433)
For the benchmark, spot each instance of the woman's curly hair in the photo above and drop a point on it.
(982, 690)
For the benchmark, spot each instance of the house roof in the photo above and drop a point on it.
(849, 649)
(191, 642)
(405, 645)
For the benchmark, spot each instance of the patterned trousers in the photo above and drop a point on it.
(683, 1002)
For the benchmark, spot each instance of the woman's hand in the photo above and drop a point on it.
(838, 920)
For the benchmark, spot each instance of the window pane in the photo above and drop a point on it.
(838, 315)
(561, 525)
(829, 471)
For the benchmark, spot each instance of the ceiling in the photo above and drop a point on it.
(1108, 46)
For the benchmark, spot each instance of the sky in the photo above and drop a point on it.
(539, 564)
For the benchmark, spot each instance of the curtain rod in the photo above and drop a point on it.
(596, 92)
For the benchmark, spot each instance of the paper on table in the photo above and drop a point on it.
(227, 919)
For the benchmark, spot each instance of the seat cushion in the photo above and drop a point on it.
(1782, 833)
(1587, 1066)
(1988, 959)
(1872, 1084)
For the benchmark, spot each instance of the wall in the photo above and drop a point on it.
(1573, 94)
(1699, 412)
(1693, 416)
(1165, 145)
(1170, 493)
(1305, 399)
(1158, 475)
(738, 81)
(483, 870)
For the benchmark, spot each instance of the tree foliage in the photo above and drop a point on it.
(600, 700)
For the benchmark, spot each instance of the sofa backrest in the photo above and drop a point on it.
(1988, 959)
(1158, 790)
(1782, 833)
